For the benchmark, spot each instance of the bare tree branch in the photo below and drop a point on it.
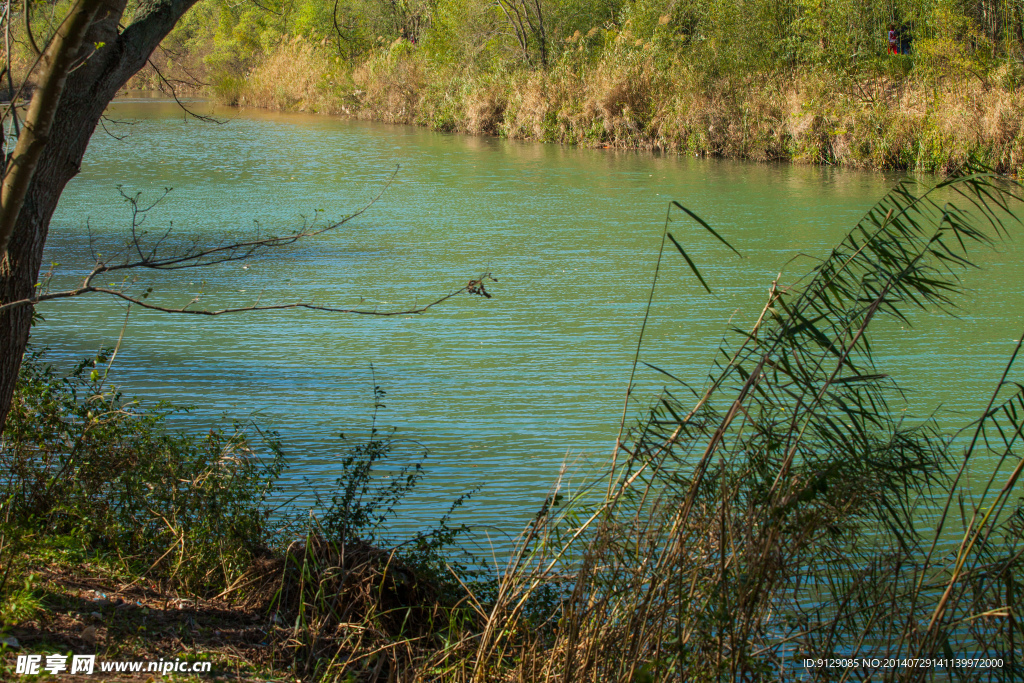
(147, 256)
(172, 91)
(28, 29)
(474, 286)
(179, 57)
(103, 124)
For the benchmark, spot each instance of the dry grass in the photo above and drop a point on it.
(776, 515)
(486, 112)
(297, 77)
(354, 609)
(319, 611)
(634, 97)
(89, 610)
(390, 86)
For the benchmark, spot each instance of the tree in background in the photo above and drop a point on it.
(719, 35)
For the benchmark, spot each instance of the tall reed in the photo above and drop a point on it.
(786, 511)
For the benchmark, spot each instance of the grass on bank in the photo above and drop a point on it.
(878, 117)
(784, 509)
(799, 80)
(803, 81)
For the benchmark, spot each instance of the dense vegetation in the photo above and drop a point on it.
(786, 508)
(807, 80)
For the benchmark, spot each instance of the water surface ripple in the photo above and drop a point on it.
(502, 390)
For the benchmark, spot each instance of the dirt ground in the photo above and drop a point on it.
(88, 614)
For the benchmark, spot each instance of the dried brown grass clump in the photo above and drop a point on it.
(979, 123)
(635, 96)
(623, 97)
(351, 583)
(531, 106)
(391, 84)
(620, 97)
(485, 113)
(297, 76)
(353, 609)
(863, 121)
(880, 122)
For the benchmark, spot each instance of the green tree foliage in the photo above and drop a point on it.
(723, 36)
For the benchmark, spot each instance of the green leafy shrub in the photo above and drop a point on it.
(76, 458)
(81, 465)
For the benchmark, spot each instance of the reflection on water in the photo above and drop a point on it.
(499, 390)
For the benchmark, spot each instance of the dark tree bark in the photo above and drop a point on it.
(86, 93)
(527, 20)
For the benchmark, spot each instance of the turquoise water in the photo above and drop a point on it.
(501, 391)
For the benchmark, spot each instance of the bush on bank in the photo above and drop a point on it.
(804, 80)
(201, 517)
(78, 459)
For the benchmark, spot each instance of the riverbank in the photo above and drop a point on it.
(884, 115)
(81, 606)
(79, 602)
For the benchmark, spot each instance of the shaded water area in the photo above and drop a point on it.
(501, 391)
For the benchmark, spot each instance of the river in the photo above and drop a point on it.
(501, 391)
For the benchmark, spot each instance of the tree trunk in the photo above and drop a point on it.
(85, 96)
(1018, 25)
(57, 61)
